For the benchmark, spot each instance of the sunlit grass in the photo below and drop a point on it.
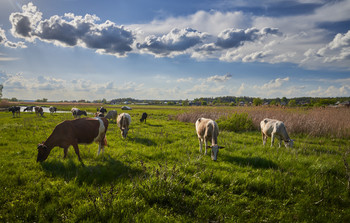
(157, 174)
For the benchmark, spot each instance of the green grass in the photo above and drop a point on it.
(158, 175)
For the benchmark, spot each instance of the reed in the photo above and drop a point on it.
(319, 122)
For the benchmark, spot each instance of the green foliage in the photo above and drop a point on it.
(236, 122)
(257, 101)
(157, 174)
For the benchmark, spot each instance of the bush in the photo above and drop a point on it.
(236, 122)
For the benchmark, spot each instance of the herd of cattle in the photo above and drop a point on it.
(88, 130)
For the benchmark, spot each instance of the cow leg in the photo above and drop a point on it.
(280, 141)
(263, 138)
(101, 146)
(76, 148)
(206, 145)
(200, 145)
(272, 139)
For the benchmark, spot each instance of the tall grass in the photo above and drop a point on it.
(326, 122)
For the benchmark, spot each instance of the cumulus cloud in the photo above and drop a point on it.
(175, 42)
(71, 30)
(233, 38)
(330, 91)
(4, 41)
(277, 83)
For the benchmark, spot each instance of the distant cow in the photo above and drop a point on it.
(99, 114)
(52, 109)
(112, 115)
(39, 110)
(123, 121)
(208, 130)
(77, 113)
(15, 110)
(74, 132)
(102, 110)
(29, 109)
(275, 128)
(144, 117)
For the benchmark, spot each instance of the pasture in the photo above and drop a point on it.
(157, 174)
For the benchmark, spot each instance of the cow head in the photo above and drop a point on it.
(124, 132)
(289, 143)
(214, 151)
(43, 153)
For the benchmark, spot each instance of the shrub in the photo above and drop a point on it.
(236, 122)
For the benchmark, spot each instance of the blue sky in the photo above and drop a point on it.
(87, 49)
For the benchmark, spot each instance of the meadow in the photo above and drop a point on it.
(157, 174)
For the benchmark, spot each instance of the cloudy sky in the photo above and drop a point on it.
(184, 49)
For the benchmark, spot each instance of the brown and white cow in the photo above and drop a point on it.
(123, 121)
(74, 132)
(208, 129)
(39, 110)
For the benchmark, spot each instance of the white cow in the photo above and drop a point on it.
(208, 129)
(274, 128)
(123, 121)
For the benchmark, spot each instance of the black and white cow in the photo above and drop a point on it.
(15, 110)
(52, 109)
(102, 110)
(29, 109)
(77, 113)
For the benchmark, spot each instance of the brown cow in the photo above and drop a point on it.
(74, 132)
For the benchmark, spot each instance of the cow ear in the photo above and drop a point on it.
(221, 147)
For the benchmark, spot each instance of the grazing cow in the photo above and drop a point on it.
(112, 115)
(15, 110)
(39, 110)
(29, 109)
(74, 132)
(77, 113)
(99, 114)
(208, 129)
(52, 109)
(102, 110)
(123, 121)
(144, 117)
(274, 128)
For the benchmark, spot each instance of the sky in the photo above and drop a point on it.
(172, 50)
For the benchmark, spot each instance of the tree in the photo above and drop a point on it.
(257, 101)
(292, 103)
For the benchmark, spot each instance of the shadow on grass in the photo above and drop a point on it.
(144, 141)
(255, 162)
(107, 171)
(154, 125)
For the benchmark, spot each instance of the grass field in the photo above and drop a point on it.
(158, 175)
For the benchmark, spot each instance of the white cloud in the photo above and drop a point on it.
(218, 78)
(70, 30)
(277, 83)
(176, 42)
(4, 41)
(184, 80)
